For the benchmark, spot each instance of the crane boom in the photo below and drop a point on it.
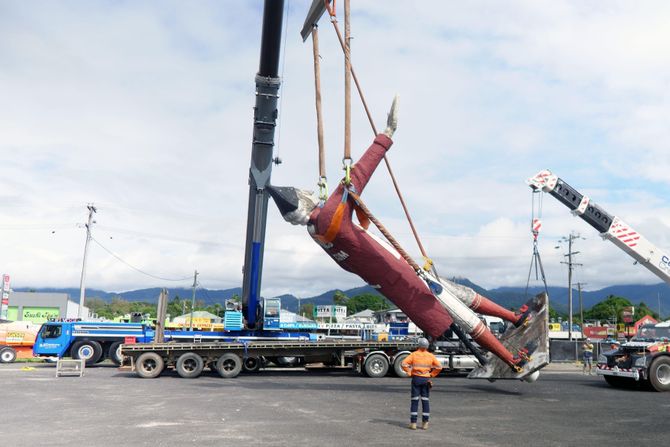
(265, 119)
(610, 227)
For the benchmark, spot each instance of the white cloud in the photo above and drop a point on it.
(145, 109)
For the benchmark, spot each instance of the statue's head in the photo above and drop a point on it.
(295, 205)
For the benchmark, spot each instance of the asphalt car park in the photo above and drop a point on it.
(108, 407)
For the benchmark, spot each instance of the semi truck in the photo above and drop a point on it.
(189, 352)
(644, 360)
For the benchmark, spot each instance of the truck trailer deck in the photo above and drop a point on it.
(373, 358)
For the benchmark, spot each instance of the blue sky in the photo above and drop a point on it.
(145, 109)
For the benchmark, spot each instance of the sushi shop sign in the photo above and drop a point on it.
(40, 314)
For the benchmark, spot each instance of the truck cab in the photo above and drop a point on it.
(52, 340)
(91, 341)
(644, 359)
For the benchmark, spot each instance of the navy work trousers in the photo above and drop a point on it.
(420, 391)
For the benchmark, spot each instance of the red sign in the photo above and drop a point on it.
(130, 340)
(595, 332)
(627, 314)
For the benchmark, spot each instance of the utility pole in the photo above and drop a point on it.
(571, 266)
(658, 296)
(581, 305)
(82, 283)
(195, 283)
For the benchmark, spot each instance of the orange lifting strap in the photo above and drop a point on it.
(363, 213)
(336, 222)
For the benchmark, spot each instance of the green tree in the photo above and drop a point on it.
(367, 301)
(642, 310)
(554, 315)
(608, 309)
(143, 308)
(307, 310)
(99, 307)
(216, 309)
(119, 306)
(340, 299)
(175, 307)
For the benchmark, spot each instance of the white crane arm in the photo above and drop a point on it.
(610, 227)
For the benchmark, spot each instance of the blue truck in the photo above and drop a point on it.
(90, 341)
(97, 341)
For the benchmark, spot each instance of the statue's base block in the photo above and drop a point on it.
(533, 336)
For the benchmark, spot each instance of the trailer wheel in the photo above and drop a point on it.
(229, 365)
(88, 350)
(396, 365)
(376, 365)
(7, 355)
(659, 374)
(114, 353)
(251, 364)
(189, 365)
(149, 365)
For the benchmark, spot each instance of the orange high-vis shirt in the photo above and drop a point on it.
(421, 364)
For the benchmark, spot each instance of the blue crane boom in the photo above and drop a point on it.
(265, 119)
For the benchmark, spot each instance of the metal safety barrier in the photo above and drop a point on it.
(70, 367)
(572, 350)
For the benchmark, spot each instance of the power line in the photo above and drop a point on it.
(135, 268)
(209, 298)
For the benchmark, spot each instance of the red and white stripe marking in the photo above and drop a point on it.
(609, 368)
(582, 206)
(624, 233)
(537, 225)
(544, 180)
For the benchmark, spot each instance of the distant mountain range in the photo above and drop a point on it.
(505, 296)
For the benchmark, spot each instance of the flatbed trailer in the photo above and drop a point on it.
(228, 359)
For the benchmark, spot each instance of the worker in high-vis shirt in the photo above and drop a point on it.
(421, 366)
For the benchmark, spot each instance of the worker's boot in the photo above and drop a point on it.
(424, 425)
(412, 426)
